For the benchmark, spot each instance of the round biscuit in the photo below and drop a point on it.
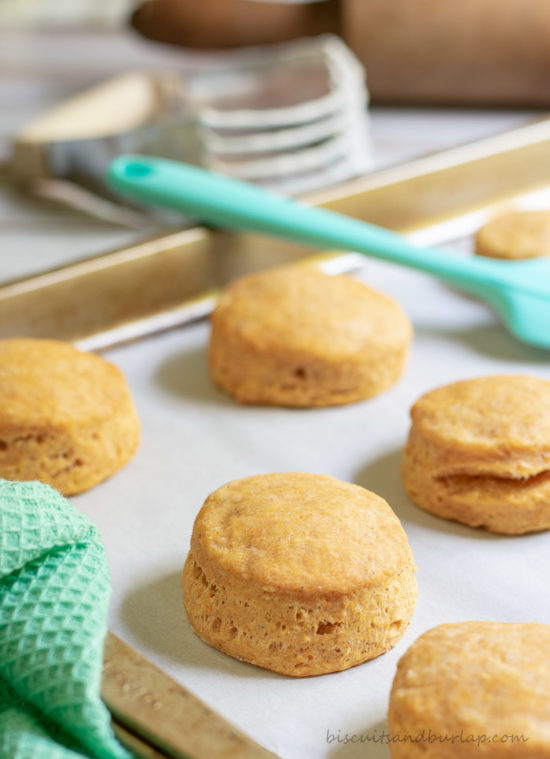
(515, 235)
(473, 689)
(296, 337)
(298, 573)
(66, 417)
(478, 452)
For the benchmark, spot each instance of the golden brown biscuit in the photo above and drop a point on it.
(515, 235)
(473, 689)
(296, 337)
(66, 417)
(479, 452)
(298, 573)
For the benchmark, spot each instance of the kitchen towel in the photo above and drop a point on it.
(54, 596)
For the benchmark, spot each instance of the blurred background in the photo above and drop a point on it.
(64, 12)
(299, 96)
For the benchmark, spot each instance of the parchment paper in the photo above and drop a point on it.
(195, 439)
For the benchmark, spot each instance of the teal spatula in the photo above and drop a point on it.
(518, 290)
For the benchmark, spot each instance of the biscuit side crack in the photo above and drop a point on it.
(465, 480)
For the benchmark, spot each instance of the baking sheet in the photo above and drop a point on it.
(195, 439)
(169, 280)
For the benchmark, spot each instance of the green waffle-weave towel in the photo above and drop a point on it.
(54, 594)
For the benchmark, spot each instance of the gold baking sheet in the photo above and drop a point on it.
(194, 438)
(171, 280)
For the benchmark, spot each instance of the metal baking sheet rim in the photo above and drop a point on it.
(171, 280)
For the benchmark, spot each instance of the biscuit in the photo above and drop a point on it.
(479, 453)
(296, 337)
(299, 573)
(473, 689)
(516, 235)
(66, 417)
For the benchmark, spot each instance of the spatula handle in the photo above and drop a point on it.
(230, 203)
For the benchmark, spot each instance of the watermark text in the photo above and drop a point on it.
(425, 736)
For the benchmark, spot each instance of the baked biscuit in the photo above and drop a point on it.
(473, 689)
(66, 417)
(479, 453)
(515, 235)
(296, 337)
(299, 573)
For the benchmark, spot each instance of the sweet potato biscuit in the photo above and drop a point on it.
(516, 235)
(296, 337)
(473, 689)
(479, 453)
(66, 417)
(298, 573)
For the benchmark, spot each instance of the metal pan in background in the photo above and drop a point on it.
(171, 280)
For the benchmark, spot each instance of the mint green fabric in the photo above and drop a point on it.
(54, 595)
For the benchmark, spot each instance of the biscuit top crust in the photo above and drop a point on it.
(51, 383)
(497, 425)
(304, 534)
(516, 235)
(301, 309)
(488, 677)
